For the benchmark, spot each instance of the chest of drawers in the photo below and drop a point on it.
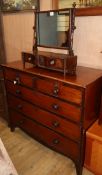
(54, 109)
(3, 105)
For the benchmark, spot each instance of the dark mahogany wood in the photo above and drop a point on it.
(51, 87)
(92, 104)
(64, 109)
(48, 137)
(60, 90)
(54, 109)
(54, 122)
(100, 116)
(18, 77)
(82, 78)
(59, 62)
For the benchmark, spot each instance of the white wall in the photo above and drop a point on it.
(88, 41)
(87, 37)
(18, 34)
(45, 4)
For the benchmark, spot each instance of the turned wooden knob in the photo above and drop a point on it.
(55, 124)
(16, 81)
(55, 91)
(55, 106)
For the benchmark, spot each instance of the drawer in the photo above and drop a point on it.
(18, 77)
(47, 86)
(46, 136)
(48, 119)
(54, 105)
(60, 90)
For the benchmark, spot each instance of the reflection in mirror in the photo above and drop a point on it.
(53, 29)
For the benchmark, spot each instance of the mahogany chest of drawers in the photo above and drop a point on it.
(54, 109)
(3, 105)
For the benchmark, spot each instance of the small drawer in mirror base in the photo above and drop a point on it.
(58, 62)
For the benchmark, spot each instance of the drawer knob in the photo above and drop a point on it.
(55, 91)
(55, 107)
(55, 124)
(18, 91)
(19, 106)
(56, 141)
(16, 81)
(52, 62)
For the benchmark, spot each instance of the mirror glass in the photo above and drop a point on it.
(53, 29)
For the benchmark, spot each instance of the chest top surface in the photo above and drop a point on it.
(84, 75)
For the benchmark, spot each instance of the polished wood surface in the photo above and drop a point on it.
(83, 77)
(70, 104)
(100, 117)
(31, 157)
(51, 104)
(65, 63)
(45, 118)
(1, 95)
(45, 136)
(93, 155)
(46, 85)
(3, 103)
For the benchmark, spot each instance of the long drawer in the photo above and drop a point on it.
(46, 136)
(54, 105)
(48, 119)
(45, 85)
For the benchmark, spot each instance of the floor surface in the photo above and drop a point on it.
(32, 158)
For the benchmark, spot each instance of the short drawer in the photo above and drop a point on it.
(45, 85)
(18, 77)
(67, 128)
(46, 136)
(60, 90)
(54, 105)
